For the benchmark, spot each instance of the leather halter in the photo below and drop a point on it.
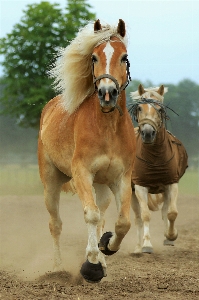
(119, 89)
(132, 108)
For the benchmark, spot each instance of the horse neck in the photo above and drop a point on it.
(160, 137)
(159, 150)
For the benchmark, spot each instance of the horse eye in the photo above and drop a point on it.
(124, 58)
(139, 108)
(94, 59)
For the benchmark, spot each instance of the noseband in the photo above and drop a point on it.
(119, 89)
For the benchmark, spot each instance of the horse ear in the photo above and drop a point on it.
(121, 28)
(141, 90)
(97, 25)
(161, 90)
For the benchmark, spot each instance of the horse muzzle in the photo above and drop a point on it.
(148, 133)
(108, 97)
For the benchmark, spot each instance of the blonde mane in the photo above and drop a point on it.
(152, 91)
(72, 72)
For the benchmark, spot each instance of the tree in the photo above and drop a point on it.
(29, 50)
(183, 99)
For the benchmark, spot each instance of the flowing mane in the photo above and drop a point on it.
(72, 71)
(152, 91)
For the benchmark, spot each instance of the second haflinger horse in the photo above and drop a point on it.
(86, 134)
(160, 162)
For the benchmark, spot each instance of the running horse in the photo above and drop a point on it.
(86, 134)
(160, 162)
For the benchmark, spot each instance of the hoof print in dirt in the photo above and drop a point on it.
(92, 273)
(103, 244)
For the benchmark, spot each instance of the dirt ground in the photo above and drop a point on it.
(26, 255)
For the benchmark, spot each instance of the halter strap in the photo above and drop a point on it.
(119, 89)
(150, 122)
(112, 109)
(95, 79)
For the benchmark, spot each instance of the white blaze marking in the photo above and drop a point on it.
(108, 50)
(149, 107)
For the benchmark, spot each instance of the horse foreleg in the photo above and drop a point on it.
(103, 199)
(170, 212)
(122, 193)
(92, 269)
(138, 222)
(142, 196)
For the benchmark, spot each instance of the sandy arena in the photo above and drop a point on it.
(26, 255)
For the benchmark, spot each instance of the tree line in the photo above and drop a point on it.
(33, 43)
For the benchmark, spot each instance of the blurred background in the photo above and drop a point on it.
(163, 48)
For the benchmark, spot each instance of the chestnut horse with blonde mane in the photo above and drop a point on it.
(86, 134)
(160, 162)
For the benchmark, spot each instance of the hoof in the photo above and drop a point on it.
(147, 250)
(103, 244)
(92, 273)
(168, 243)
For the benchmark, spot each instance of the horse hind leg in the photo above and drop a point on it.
(169, 213)
(52, 189)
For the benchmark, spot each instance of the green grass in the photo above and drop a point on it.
(20, 180)
(189, 183)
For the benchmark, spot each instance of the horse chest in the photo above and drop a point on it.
(105, 169)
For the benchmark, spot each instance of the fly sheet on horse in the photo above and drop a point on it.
(160, 162)
(86, 135)
(155, 167)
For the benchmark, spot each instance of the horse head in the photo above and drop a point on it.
(149, 111)
(110, 67)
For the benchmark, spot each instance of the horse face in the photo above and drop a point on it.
(149, 120)
(110, 69)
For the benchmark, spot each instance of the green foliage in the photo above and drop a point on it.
(29, 50)
(183, 99)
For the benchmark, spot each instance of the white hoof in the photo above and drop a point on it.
(147, 250)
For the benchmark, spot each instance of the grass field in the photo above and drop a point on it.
(20, 180)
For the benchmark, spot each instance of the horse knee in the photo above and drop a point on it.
(146, 216)
(92, 215)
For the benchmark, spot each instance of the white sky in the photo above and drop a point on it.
(163, 34)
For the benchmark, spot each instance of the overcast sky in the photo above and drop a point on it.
(163, 34)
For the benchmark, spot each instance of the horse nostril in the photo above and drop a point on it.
(100, 93)
(114, 93)
(142, 132)
(153, 132)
